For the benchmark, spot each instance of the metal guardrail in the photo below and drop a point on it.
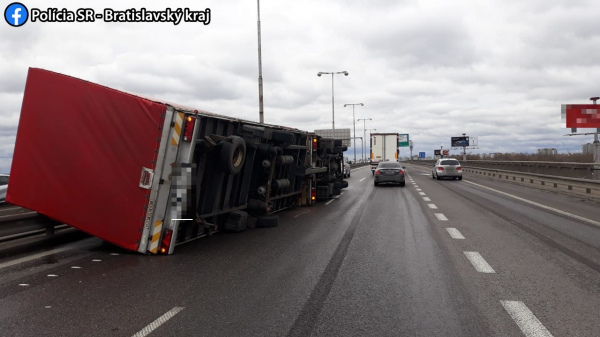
(580, 186)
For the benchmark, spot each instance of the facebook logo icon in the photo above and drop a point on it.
(16, 14)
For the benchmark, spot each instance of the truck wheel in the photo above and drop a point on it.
(338, 142)
(337, 191)
(232, 154)
(267, 221)
(344, 184)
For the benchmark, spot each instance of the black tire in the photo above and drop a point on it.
(373, 173)
(337, 191)
(437, 177)
(337, 185)
(344, 148)
(402, 184)
(338, 149)
(338, 142)
(376, 183)
(459, 178)
(233, 154)
(267, 221)
(344, 184)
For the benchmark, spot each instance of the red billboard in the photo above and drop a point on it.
(581, 115)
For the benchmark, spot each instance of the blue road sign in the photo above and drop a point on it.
(421, 154)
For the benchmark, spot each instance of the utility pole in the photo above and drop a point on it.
(260, 79)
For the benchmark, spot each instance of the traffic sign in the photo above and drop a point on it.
(421, 154)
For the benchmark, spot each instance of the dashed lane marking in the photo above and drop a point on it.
(441, 217)
(432, 206)
(422, 193)
(329, 202)
(455, 233)
(525, 319)
(362, 179)
(158, 322)
(426, 199)
(479, 263)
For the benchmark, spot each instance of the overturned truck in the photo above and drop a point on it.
(147, 175)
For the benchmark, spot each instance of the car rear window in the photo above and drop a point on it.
(390, 165)
(3, 180)
(449, 162)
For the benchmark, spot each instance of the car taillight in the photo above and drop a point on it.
(315, 143)
(459, 168)
(313, 194)
(166, 241)
(377, 172)
(440, 168)
(401, 172)
(189, 128)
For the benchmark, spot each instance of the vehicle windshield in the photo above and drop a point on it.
(449, 162)
(390, 165)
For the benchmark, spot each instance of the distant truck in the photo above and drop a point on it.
(147, 175)
(384, 147)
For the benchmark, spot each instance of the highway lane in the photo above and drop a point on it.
(374, 262)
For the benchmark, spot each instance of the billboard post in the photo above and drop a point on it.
(584, 116)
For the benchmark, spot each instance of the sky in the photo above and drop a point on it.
(497, 70)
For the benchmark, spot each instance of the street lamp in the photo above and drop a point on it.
(354, 125)
(332, 105)
(260, 80)
(364, 133)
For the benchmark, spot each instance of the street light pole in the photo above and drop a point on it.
(260, 80)
(364, 133)
(332, 99)
(354, 125)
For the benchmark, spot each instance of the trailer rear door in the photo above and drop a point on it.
(80, 153)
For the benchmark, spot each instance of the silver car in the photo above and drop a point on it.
(447, 168)
(3, 187)
(389, 172)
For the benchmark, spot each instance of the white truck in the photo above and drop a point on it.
(384, 147)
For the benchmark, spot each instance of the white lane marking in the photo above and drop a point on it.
(297, 215)
(114, 254)
(329, 202)
(96, 260)
(43, 254)
(455, 233)
(418, 189)
(426, 199)
(596, 223)
(479, 263)
(158, 322)
(441, 217)
(52, 275)
(23, 285)
(362, 179)
(421, 193)
(525, 319)
(75, 267)
(432, 206)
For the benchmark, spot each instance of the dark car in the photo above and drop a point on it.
(389, 172)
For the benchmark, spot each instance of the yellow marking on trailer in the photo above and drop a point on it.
(177, 129)
(156, 231)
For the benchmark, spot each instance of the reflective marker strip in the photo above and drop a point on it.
(177, 129)
(479, 263)
(525, 319)
(455, 233)
(158, 322)
(155, 236)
